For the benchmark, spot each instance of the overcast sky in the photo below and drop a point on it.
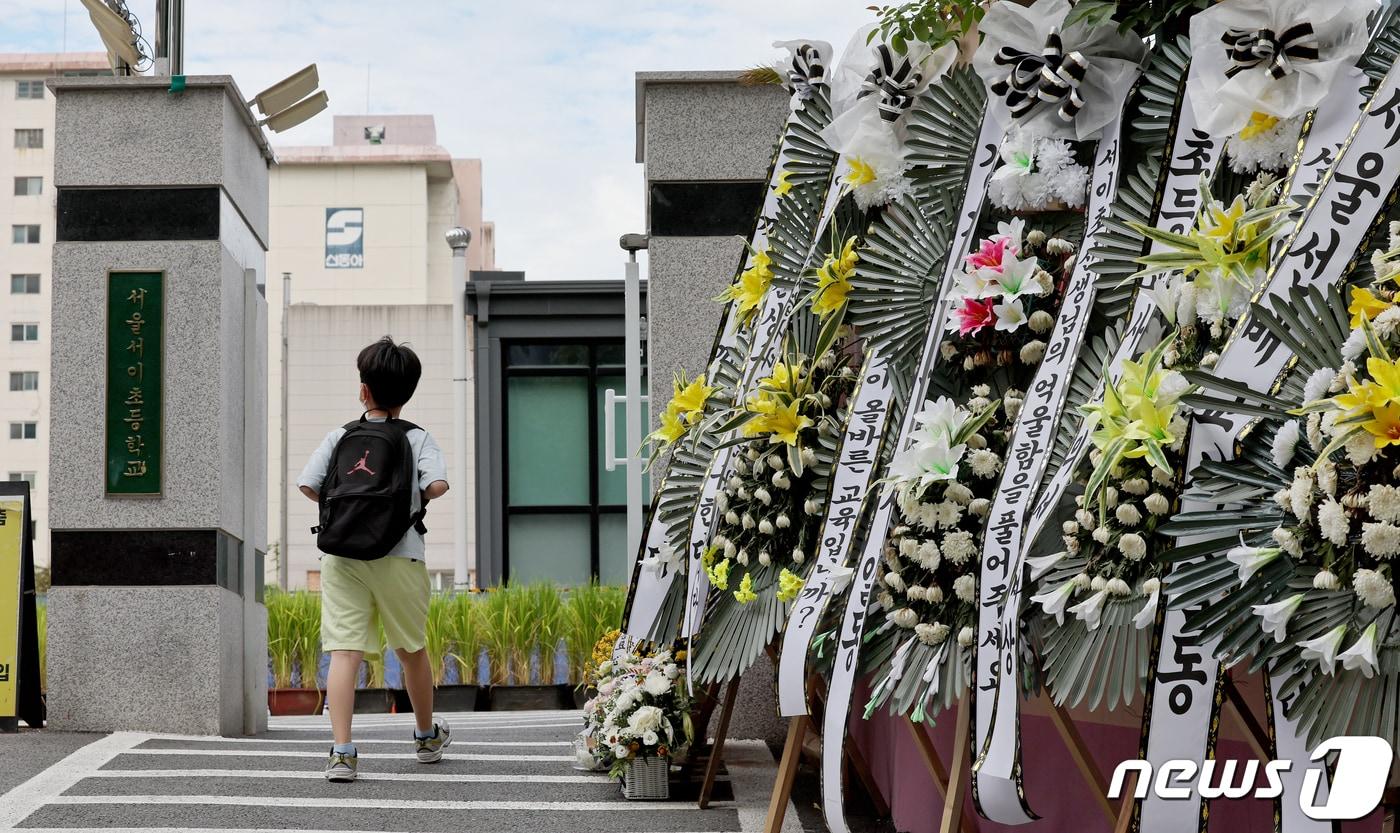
(542, 92)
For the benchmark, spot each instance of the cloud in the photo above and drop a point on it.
(543, 92)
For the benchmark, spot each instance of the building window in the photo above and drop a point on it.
(24, 332)
(29, 186)
(313, 580)
(32, 478)
(32, 90)
(29, 138)
(24, 430)
(24, 284)
(565, 514)
(24, 234)
(24, 380)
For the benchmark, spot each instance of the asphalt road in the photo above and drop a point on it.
(503, 772)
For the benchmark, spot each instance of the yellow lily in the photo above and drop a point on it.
(1384, 424)
(690, 398)
(860, 173)
(784, 186)
(751, 287)
(782, 423)
(1258, 123)
(1219, 223)
(834, 280)
(785, 378)
(673, 426)
(1365, 305)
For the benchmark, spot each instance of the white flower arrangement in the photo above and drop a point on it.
(1265, 144)
(1037, 173)
(641, 709)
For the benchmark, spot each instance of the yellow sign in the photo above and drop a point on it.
(11, 561)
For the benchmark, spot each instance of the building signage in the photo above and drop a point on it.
(11, 561)
(135, 352)
(345, 238)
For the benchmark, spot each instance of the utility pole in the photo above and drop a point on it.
(459, 239)
(283, 561)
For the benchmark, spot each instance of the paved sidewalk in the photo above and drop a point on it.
(505, 771)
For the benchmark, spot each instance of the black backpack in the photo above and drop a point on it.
(367, 496)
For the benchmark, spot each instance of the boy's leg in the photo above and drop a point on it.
(418, 680)
(340, 692)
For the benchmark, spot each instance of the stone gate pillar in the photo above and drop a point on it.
(159, 413)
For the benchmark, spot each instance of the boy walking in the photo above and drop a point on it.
(373, 479)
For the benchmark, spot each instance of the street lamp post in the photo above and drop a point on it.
(632, 345)
(459, 239)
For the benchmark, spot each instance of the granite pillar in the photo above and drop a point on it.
(156, 619)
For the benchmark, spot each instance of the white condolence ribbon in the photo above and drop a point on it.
(1351, 194)
(997, 793)
(843, 675)
(856, 465)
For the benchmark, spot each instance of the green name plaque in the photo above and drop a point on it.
(135, 349)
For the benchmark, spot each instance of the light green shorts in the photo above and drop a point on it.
(358, 595)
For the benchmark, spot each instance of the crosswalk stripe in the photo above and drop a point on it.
(327, 741)
(315, 775)
(286, 753)
(378, 803)
(22, 801)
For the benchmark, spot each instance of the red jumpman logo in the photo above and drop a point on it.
(361, 465)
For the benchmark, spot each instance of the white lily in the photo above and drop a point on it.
(1053, 602)
(841, 576)
(1014, 231)
(1324, 648)
(1362, 655)
(941, 417)
(1276, 615)
(1010, 316)
(1042, 565)
(928, 463)
(1017, 278)
(1248, 559)
(662, 560)
(1166, 294)
(1148, 614)
(1090, 611)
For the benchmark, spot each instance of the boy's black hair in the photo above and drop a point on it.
(391, 371)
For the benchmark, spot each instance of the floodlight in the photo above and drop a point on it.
(287, 92)
(115, 31)
(297, 113)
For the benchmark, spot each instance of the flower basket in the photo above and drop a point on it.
(647, 779)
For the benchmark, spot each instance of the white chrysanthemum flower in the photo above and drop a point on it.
(1070, 527)
(914, 594)
(957, 546)
(1162, 478)
(1128, 514)
(1267, 150)
(886, 601)
(1286, 443)
(957, 493)
(1300, 493)
(895, 582)
(1102, 534)
(947, 513)
(934, 634)
(984, 462)
(1086, 519)
(1373, 589)
(928, 555)
(1133, 546)
(1383, 502)
(1041, 321)
(1275, 616)
(905, 618)
(798, 556)
(1054, 601)
(1118, 587)
(965, 588)
(1098, 583)
(1333, 523)
(1362, 656)
(763, 495)
(782, 521)
(1157, 503)
(908, 547)
(933, 594)
(765, 526)
(1032, 351)
(1082, 581)
(1361, 449)
(1110, 497)
(967, 636)
(1355, 344)
(1387, 322)
(1326, 473)
(747, 521)
(1326, 580)
(1136, 486)
(1324, 648)
(1381, 540)
(1318, 384)
(1288, 541)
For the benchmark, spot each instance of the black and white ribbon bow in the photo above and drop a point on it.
(1052, 77)
(807, 68)
(894, 79)
(1250, 48)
